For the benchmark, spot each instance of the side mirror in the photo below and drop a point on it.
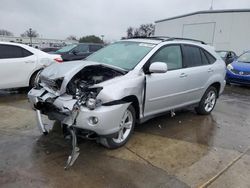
(158, 67)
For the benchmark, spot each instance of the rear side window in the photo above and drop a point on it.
(192, 56)
(211, 59)
(26, 53)
(10, 51)
(171, 55)
(94, 48)
(204, 58)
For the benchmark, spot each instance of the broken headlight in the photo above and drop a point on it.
(58, 83)
(91, 102)
(53, 84)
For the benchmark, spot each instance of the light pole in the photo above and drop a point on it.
(102, 38)
(211, 8)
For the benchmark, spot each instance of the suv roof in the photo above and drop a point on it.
(89, 43)
(159, 39)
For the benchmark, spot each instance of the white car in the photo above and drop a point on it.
(19, 64)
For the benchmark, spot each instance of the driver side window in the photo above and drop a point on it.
(171, 55)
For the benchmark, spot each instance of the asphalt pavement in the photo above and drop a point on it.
(186, 150)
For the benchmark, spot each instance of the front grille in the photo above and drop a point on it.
(244, 73)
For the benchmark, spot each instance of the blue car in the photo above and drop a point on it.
(239, 70)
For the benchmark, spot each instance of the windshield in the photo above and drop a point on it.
(221, 53)
(125, 54)
(245, 57)
(66, 48)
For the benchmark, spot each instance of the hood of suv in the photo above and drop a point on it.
(60, 70)
(71, 76)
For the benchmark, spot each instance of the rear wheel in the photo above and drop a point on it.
(126, 129)
(208, 101)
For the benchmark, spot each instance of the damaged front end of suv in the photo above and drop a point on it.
(100, 98)
(87, 99)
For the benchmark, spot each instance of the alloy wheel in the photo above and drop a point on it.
(125, 127)
(210, 101)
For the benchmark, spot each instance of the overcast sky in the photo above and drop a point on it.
(111, 18)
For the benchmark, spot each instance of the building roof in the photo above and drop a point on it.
(205, 12)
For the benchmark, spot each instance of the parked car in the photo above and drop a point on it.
(227, 56)
(239, 71)
(19, 64)
(78, 51)
(127, 82)
(50, 49)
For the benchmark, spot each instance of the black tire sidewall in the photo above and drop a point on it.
(32, 80)
(201, 108)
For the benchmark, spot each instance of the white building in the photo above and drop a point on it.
(38, 42)
(224, 29)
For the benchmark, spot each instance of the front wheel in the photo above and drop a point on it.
(34, 79)
(126, 129)
(208, 101)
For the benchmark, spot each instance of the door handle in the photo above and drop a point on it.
(210, 70)
(183, 75)
(29, 61)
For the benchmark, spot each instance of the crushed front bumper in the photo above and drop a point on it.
(62, 108)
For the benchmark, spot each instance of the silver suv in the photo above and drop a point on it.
(127, 82)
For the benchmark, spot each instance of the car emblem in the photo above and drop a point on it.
(241, 73)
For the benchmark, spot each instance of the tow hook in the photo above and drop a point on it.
(75, 149)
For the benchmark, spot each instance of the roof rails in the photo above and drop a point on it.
(177, 38)
(166, 38)
(162, 38)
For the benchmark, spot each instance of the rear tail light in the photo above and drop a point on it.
(58, 60)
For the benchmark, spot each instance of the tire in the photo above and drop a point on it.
(208, 101)
(228, 83)
(33, 79)
(125, 132)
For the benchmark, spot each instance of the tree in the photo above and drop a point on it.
(72, 37)
(5, 32)
(136, 32)
(130, 32)
(145, 30)
(91, 38)
(30, 33)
